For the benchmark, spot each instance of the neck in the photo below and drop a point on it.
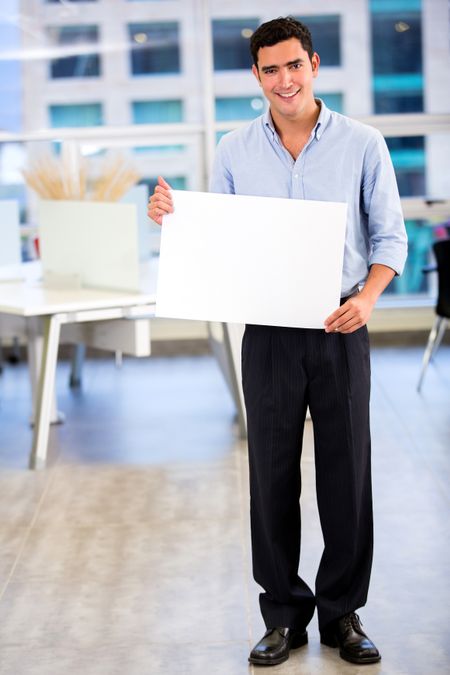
(302, 124)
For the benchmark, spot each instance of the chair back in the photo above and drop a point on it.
(442, 254)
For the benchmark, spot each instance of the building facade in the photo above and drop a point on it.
(122, 63)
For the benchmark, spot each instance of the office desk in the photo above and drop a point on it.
(45, 311)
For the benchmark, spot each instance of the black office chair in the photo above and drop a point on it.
(441, 251)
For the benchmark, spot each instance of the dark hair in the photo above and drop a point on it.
(278, 30)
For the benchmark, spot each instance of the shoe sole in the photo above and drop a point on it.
(330, 641)
(301, 641)
(361, 662)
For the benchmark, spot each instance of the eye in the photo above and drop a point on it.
(296, 66)
(270, 71)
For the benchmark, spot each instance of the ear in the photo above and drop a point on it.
(255, 72)
(315, 62)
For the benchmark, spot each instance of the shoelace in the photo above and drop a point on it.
(352, 620)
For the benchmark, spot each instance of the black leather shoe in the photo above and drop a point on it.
(274, 647)
(347, 634)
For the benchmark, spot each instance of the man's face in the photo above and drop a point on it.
(286, 74)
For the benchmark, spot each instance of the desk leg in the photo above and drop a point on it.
(45, 392)
(76, 369)
(227, 350)
(35, 341)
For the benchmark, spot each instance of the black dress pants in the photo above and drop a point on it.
(284, 370)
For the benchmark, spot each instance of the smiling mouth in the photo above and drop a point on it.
(288, 95)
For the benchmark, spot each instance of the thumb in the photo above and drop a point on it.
(164, 183)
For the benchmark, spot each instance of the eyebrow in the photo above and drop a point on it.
(289, 63)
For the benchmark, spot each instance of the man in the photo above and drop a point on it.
(301, 150)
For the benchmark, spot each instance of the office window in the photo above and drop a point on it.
(391, 102)
(420, 239)
(326, 37)
(231, 43)
(396, 42)
(157, 112)
(76, 115)
(333, 101)
(155, 48)
(408, 158)
(64, 2)
(239, 108)
(80, 64)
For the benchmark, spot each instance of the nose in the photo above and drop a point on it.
(285, 80)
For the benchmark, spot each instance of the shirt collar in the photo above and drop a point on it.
(321, 123)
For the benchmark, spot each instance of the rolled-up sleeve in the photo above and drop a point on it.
(381, 203)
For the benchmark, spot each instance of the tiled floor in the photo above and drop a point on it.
(130, 553)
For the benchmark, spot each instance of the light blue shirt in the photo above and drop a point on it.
(343, 161)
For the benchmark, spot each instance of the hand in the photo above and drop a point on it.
(160, 203)
(350, 316)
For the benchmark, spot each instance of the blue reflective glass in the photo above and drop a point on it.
(396, 42)
(231, 43)
(420, 240)
(76, 65)
(76, 115)
(334, 101)
(388, 102)
(155, 48)
(326, 37)
(239, 108)
(157, 112)
(408, 157)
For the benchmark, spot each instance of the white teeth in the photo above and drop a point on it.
(288, 95)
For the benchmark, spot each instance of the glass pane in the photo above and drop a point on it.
(392, 102)
(396, 42)
(231, 43)
(155, 48)
(76, 115)
(239, 108)
(420, 239)
(408, 157)
(154, 112)
(333, 101)
(326, 37)
(76, 65)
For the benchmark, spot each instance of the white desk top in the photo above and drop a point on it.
(30, 297)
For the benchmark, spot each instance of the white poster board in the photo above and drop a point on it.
(257, 260)
(90, 244)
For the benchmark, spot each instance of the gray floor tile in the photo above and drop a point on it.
(108, 494)
(118, 658)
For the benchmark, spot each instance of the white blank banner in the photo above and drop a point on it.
(257, 260)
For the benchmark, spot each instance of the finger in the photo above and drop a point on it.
(352, 321)
(338, 321)
(158, 213)
(350, 327)
(160, 198)
(160, 207)
(157, 219)
(336, 314)
(163, 183)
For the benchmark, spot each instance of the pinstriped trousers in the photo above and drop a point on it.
(284, 370)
